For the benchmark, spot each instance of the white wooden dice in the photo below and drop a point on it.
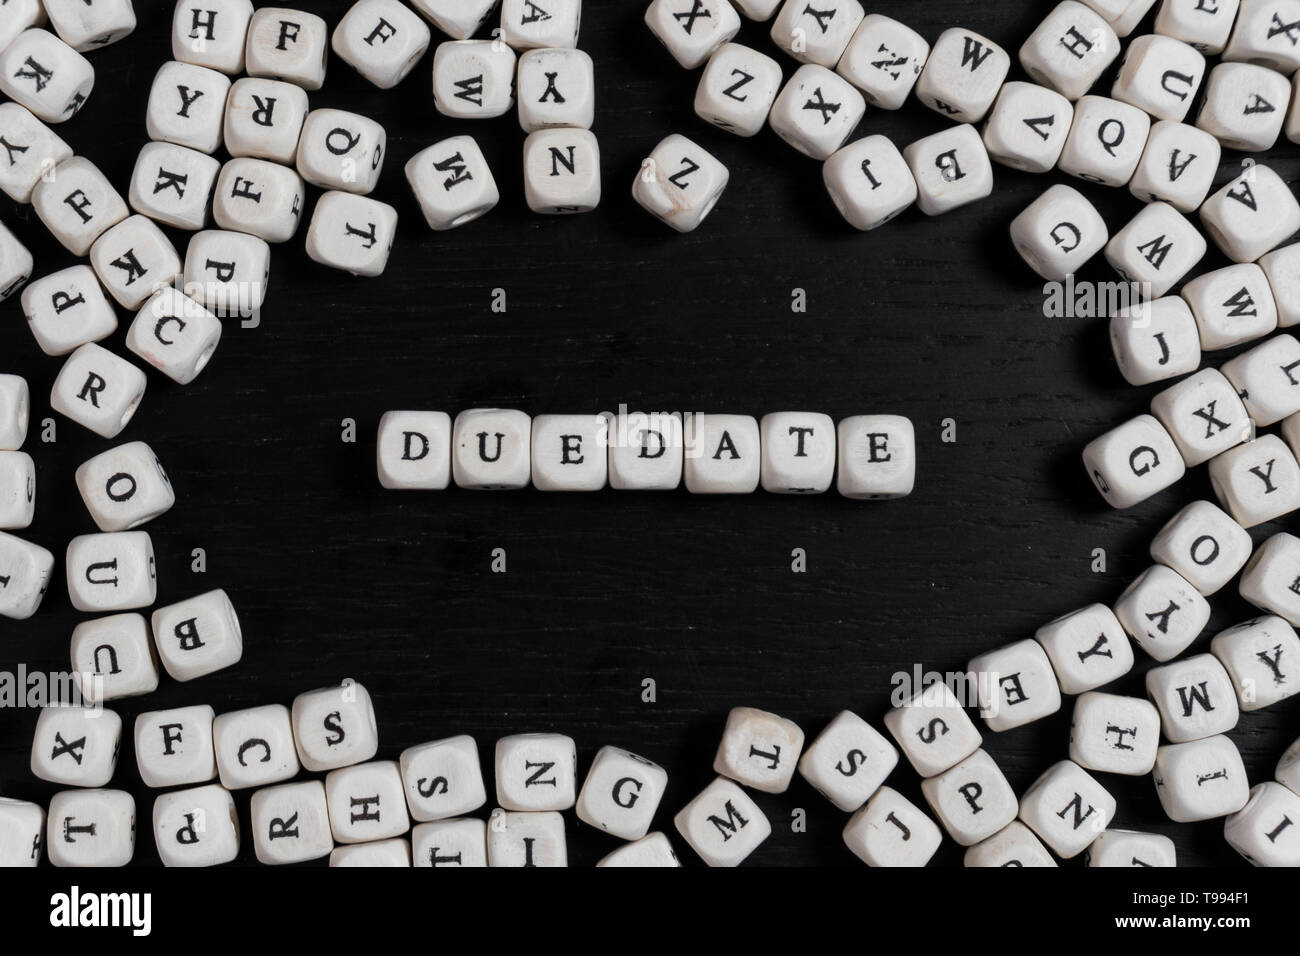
(891, 831)
(382, 40)
(26, 569)
(722, 824)
(450, 843)
(816, 111)
(1245, 106)
(341, 150)
(76, 746)
(174, 747)
(264, 119)
(973, 800)
(452, 183)
(91, 26)
(352, 233)
(290, 823)
(111, 572)
(679, 183)
(1264, 830)
(1059, 232)
(1265, 378)
(91, 828)
(1157, 248)
(962, 76)
(17, 490)
(289, 45)
(22, 831)
(44, 74)
(525, 25)
(952, 169)
(1282, 269)
(1258, 481)
(1114, 734)
(1013, 846)
(759, 749)
(1205, 26)
(621, 793)
(226, 272)
(198, 636)
(1070, 50)
(67, 309)
(526, 839)
(19, 16)
(536, 772)
(15, 263)
(1265, 33)
(1251, 215)
(1261, 658)
(77, 203)
(196, 827)
(1163, 612)
(187, 106)
(1156, 340)
(818, 34)
(869, 182)
(570, 453)
(125, 487)
(212, 33)
(413, 450)
(884, 60)
(1016, 685)
(443, 779)
(1088, 648)
(1200, 780)
(876, 457)
(652, 850)
(1133, 461)
(32, 150)
(723, 454)
(175, 335)
(933, 730)
(1204, 415)
(459, 19)
(473, 79)
(1204, 545)
(1067, 808)
(562, 171)
(1106, 141)
(254, 747)
(134, 259)
(380, 853)
(260, 198)
(646, 451)
(848, 761)
(366, 802)
(1178, 166)
(1195, 698)
(1117, 848)
(1027, 127)
(1231, 305)
(1271, 579)
(799, 452)
(114, 657)
(491, 449)
(15, 410)
(334, 727)
(692, 29)
(1160, 75)
(174, 185)
(557, 88)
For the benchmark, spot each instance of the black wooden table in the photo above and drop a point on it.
(334, 578)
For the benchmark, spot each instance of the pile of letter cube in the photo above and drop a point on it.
(417, 810)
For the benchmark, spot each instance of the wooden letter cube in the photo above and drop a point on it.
(341, 150)
(933, 730)
(198, 636)
(291, 823)
(723, 454)
(1067, 808)
(366, 802)
(76, 746)
(1070, 49)
(1261, 657)
(1195, 698)
(211, 33)
(174, 747)
(44, 74)
(1204, 545)
(91, 828)
(963, 75)
(1163, 612)
(1088, 648)
(254, 747)
(491, 449)
(722, 824)
(413, 450)
(848, 762)
(621, 793)
(352, 233)
(114, 657)
(536, 772)
(892, 831)
(125, 487)
(196, 827)
(1133, 461)
(334, 727)
(288, 45)
(1200, 780)
(680, 183)
(443, 778)
(187, 106)
(1112, 734)
(973, 800)
(884, 60)
(111, 572)
(1016, 685)
(759, 750)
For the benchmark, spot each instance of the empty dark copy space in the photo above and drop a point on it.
(334, 577)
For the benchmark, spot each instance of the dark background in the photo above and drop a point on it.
(334, 577)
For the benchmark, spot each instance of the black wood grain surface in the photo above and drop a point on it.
(333, 577)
